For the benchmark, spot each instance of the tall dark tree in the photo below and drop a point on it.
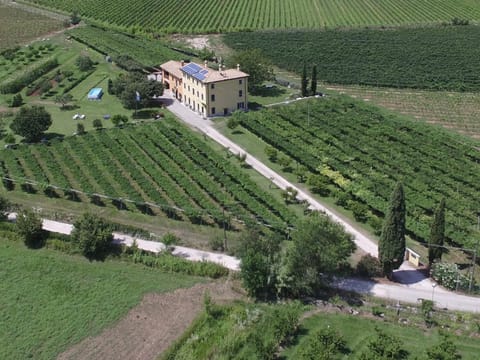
(304, 81)
(391, 248)
(17, 100)
(313, 84)
(31, 122)
(437, 234)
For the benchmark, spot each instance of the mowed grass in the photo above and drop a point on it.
(457, 111)
(18, 26)
(50, 300)
(357, 332)
(202, 16)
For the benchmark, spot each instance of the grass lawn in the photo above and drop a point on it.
(50, 300)
(271, 93)
(357, 333)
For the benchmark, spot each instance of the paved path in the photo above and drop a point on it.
(227, 261)
(413, 284)
(405, 293)
(412, 289)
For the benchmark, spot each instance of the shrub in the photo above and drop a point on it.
(170, 239)
(16, 101)
(169, 263)
(9, 138)
(216, 242)
(97, 124)
(29, 227)
(369, 266)
(272, 153)
(84, 63)
(449, 275)
(27, 78)
(360, 211)
(93, 236)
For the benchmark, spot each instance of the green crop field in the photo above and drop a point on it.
(439, 58)
(50, 300)
(201, 16)
(18, 26)
(357, 154)
(158, 167)
(114, 43)
(457, 111)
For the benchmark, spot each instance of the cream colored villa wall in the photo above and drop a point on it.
(227, 95)
(194, 94)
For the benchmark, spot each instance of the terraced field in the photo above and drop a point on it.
(201, 16)
(159, 168)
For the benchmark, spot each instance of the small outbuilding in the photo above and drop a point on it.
(95, 94)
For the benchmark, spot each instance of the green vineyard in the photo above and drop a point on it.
(202, 16)
(354, 153)
(114, 43)
(155, 168)
(439, 58)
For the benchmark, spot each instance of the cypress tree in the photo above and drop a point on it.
(304, 81)
(437, 234)
(391, 248)
(313, 84)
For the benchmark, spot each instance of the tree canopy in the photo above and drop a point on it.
(31, 123)
(259, 255)
(29, 226)
(254, 63)
(92, 235)
(126, 87)
(84, 63)
(391, 247)
(319, 247)
(63, 99)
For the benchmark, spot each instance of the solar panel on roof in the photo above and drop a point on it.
(196, 71)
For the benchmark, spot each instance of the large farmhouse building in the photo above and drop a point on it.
(206, 91)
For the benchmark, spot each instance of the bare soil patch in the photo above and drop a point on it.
(152, 326)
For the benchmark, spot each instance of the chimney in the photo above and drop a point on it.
(205, 63)
(182, 63)
(238, 67)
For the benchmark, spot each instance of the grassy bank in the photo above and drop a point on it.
(50, 300)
